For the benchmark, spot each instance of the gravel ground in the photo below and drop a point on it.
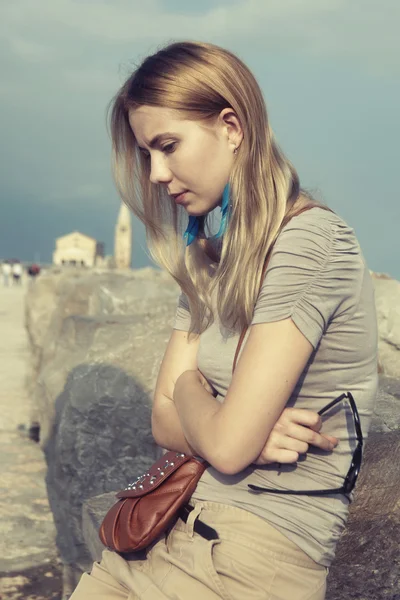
(38, 583)
(29, 566)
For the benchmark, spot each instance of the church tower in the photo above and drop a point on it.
(123, 239)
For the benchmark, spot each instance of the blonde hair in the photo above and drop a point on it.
(201, 80)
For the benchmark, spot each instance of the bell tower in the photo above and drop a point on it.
(123, 239)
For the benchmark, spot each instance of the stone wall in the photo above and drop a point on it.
(97, 340)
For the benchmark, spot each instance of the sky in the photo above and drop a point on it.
(329, 71)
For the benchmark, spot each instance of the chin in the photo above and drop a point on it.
(194, 211)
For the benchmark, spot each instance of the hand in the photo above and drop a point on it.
(293, 433)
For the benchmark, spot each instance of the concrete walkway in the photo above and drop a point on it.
(26, 525)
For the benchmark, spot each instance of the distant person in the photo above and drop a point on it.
(191, 133)
(7, 271)
(33, 271)
(17, 273)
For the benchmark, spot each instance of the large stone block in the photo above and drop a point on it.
(367, 563)
(97, 340)
(387, 299)
(85, 322)
(101, 439)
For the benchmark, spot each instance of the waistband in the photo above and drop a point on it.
(241, 527)
(207, 532)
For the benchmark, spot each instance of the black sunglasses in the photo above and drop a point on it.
(351, 477)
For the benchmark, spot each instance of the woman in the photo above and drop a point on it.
(190, 133)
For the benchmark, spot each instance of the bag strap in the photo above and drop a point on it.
(266, 262)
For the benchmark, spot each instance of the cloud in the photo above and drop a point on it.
(90, 79)
(61, 64)
(30, 51)
(84, 191)
(361, 30)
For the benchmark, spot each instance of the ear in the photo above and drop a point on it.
(232, 127)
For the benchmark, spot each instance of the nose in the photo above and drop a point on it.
(159, 171)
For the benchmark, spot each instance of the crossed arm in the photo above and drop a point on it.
(252, 424)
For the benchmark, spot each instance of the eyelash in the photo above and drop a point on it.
(169, 149)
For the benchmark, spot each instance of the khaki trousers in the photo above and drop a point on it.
(250, 561)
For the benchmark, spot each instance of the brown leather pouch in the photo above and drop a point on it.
(148, 506)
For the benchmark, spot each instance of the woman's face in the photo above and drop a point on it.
(189, 158)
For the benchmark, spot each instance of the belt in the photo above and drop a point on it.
(199, 527)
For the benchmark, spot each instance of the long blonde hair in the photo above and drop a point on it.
(201, 80)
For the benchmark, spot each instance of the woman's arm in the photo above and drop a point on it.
(180, 355)
(294, 430)
(167, 429)
(293, 433)
(233, 434)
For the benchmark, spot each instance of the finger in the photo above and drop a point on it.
(291, 443)
(303, 416)
(286, 442)
(278, 455)
(311, 437)
(331, 438)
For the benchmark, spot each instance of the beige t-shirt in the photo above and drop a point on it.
(317, 276)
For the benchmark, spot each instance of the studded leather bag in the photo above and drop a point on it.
(149, 505)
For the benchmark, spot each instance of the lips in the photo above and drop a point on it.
(175, 195)
(179, 197)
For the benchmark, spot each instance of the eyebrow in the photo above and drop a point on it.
(155, 141)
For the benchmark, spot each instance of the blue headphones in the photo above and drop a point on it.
(193, 226)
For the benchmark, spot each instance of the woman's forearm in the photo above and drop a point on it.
(167, 429)
(197, 410)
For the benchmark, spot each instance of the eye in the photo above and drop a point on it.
(170, 148)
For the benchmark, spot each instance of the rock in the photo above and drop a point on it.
(101, 441)
(391, 385)
(367, 565)
(97, 342)
(386, 415)
(64, 338)
(387, 299)
(92, 515)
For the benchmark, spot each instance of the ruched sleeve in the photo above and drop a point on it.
(182, 315)
(311, 274)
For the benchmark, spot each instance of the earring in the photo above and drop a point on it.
(192, 230)
(224, 211)
(194, 222)
(235, 151)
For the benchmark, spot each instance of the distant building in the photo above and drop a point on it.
(78, 249)
(123, 239)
